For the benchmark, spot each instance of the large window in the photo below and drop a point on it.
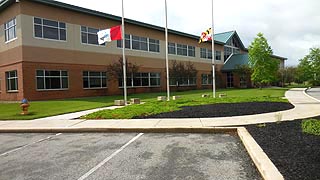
(183, 81)
(227, 52)
(229, 79)
(48, 29)
(181, 49)
(142, 80)
(10, 30)
(127, 41)
(205, 53)
(154, 45)
(206, 79)
(191, 51)
(12, 80)
(89, 35)
(52, 80)
(218, 55)
(171, 48)
(93, 79)
(140, 43)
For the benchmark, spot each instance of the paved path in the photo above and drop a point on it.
(314, 92)
(305, 107)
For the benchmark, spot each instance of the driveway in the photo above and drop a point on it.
(124, 156)
(314, 92)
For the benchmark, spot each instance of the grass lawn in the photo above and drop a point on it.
(38, 109)
(189, 98)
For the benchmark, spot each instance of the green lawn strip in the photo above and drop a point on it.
(311, 126)
(190, 98)
(39, 109)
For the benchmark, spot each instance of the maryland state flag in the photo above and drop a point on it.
(206, 36)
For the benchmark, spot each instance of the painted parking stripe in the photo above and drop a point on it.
(22, 147)
(108, 158)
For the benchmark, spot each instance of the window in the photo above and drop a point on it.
(89, 35)
(142, 80)
(139, 43)
(243, 81)
(93, 79)
(49, 29)
(205, 53)
(229, 79)
(206, 79)
(12, 80)
(227, 52)
(51, 80)
(218, 55)
(183, 81)
(181, 49)
(154, 45)
(127, 42)
(10, 29)
(171, 48)
(191, 51)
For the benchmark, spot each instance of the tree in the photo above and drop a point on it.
(309, 67)
(181, 73)
(115, 69)
(264, 67)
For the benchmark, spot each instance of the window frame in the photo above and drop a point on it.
(44, 76)
(101, 76)
(8, 81)
(58, 29)
(8, 27)
(131, 80)
(87, 35)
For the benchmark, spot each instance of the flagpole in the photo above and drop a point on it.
(213, 57)
(167, 59)
(124, 59)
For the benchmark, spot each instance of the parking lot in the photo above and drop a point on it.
(124, 156)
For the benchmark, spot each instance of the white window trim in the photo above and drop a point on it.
(44, 83)
(42, 38)
(101, 77)
(6, 29)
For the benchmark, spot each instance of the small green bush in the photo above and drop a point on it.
(311, 126)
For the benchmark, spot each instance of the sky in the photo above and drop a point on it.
(291, 27)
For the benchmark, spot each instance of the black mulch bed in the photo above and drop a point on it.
(223, 110)
(295, 154)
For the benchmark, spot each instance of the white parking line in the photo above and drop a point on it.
(22, 147)
(108, 158)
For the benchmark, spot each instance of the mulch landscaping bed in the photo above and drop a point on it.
(294, 153)
(223, 110)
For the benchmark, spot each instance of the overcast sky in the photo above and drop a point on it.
(291, 27)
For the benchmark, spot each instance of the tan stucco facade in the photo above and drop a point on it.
(27, 53)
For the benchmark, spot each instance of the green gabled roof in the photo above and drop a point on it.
(234, 60)
(223, 37)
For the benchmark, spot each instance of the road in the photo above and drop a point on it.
(314, 92)
(124, 156)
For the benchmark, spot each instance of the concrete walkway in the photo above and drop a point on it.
(305, 107)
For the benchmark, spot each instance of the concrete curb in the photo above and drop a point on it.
(122, 130)
(265, 166)
(305, 93)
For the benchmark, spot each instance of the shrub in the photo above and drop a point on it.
(311, 126)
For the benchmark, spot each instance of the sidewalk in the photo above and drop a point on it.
(305, 107)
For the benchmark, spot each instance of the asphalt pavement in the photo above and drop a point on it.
(154, 156)
(314, 92)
